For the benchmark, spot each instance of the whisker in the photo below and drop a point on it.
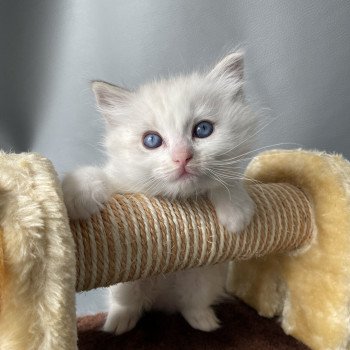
(144, 186)
(264, 147)
(223, 183)
(249, 137)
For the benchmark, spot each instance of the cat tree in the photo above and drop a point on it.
(292, 260)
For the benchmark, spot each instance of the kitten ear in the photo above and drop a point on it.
(230, 70)
(110, 99)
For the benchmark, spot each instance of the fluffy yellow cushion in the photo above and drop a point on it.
(309, 289)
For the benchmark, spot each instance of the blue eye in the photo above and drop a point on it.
(152, 140)
(203, 129)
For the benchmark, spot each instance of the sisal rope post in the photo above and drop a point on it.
(135, 236)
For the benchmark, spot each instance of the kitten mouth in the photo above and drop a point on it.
(185, 174)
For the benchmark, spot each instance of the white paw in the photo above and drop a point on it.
(85, 191)
(202, 319)
(235, 218)
(121, 320)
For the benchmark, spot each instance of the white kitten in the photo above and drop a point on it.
(177, 138)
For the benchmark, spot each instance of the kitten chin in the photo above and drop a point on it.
(180, 137)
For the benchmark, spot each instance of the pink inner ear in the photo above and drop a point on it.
(181, 154)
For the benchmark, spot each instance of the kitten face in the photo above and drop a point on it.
(178, 137)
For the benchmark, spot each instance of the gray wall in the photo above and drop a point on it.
(298, 57)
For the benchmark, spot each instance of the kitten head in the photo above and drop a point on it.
(181, 136)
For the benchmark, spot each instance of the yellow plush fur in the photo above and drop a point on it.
(37, 310)
(310, 290)
(2, 269)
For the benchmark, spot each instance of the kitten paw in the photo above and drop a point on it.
(202, 319)
(85, 191)
(121, 320)
(233, 218)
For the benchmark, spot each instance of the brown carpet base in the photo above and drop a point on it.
(242, 329)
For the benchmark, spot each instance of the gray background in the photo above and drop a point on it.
(297, 68)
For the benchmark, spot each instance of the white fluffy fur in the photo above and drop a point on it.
(172, 108)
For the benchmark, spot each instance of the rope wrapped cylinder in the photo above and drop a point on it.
(136, 237)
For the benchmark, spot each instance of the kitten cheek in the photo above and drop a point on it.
(156, 172)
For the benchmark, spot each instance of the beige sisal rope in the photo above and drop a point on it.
(135, 236)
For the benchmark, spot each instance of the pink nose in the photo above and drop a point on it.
(182, 157)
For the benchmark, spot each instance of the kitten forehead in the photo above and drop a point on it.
(177, 101)
(177, 90)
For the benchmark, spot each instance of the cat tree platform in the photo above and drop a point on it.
(292, 260)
